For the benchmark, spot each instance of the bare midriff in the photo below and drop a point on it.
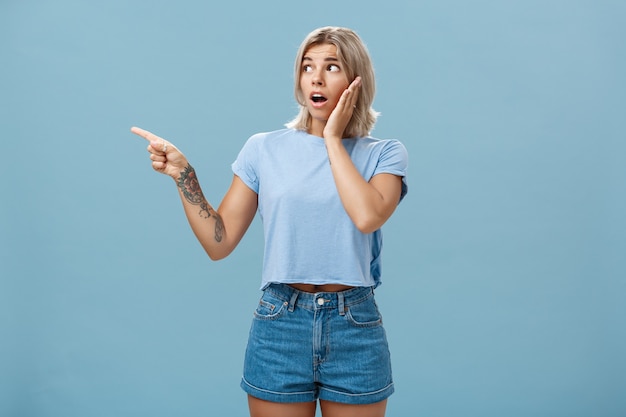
(320, 288)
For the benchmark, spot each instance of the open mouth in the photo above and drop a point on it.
(318, 98)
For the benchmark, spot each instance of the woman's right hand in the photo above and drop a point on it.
(218, 231)
(166, 158)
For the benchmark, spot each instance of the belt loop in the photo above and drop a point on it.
(292, 301)
(341, 306)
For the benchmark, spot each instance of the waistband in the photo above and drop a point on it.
(327, 300)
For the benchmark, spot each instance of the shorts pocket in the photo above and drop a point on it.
(270, 307)
(364, 314)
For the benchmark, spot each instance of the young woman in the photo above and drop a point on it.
(323, 188)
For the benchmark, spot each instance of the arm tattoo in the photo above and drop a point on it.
(190, 188)
(219, 227)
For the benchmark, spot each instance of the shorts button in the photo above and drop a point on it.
(320, 301)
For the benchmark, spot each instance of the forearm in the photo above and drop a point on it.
(363, 202)
(205, 222)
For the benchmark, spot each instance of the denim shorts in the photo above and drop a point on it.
(328, 345)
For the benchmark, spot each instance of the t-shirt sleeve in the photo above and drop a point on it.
(394, 159)
(245, 166)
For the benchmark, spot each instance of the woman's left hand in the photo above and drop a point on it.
(341, 115)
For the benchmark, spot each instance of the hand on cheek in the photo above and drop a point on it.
(342, 113)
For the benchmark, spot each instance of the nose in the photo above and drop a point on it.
(317, 78)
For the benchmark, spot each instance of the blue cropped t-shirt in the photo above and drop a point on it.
(309, 237)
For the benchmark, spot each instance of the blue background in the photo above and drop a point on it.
(504, 267)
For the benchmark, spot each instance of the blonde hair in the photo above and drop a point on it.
(355, 59)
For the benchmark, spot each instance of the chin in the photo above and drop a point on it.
(319, 115)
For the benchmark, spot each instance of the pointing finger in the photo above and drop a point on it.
(158, 144)
(149, 136)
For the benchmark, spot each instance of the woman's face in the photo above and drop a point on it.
(322, 82)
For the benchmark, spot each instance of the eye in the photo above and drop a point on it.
(333, 68)
(306, 68)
